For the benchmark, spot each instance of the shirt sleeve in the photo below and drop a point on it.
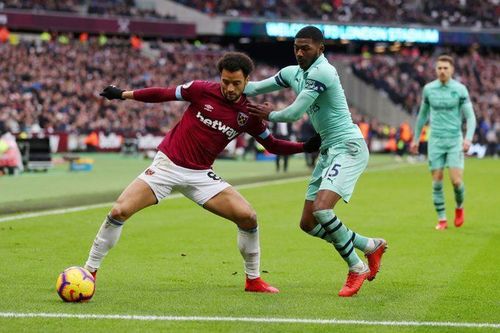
(423, 115)
(189, 91)
(276, 82)
(275, 146)
(185, 92)
(257, 128)
(154, 95)
(470, 118)
(315, 84)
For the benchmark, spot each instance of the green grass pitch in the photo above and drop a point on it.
(176, 259)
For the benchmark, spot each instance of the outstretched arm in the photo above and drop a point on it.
(276, 82)
(289, 114)
(254, 88)
(284, 147)
(280, 147)
(147, 95)
(152, 95)
(317, 82)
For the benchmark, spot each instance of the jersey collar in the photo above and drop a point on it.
(447, 84)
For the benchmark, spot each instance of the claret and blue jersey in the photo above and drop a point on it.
(209, 123)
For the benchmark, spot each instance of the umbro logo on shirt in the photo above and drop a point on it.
(208, 107)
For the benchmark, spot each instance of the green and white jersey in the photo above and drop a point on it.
(319, 93)
(446, 105)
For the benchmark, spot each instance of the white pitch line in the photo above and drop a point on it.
(249, 320)
(173, 196)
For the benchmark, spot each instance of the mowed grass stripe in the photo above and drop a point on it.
(249, 319)
(9, 218)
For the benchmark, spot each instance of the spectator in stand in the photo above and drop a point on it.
(364, 126)
(403, 139)
(4, 35)
(282, 131)
(307, 131)
(423, 142)
(10, 156)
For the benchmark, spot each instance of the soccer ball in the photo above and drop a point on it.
(75, 284)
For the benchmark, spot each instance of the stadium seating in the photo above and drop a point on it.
(55, 88)
(94, 7)
(50, 87)
(442, 13)
(403, 75)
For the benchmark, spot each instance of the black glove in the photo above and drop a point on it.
(112, 92)
(313, 144)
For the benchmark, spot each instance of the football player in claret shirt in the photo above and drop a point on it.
(217, 114)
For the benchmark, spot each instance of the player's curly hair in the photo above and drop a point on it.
(235, 61)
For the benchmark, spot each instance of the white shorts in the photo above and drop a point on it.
(163, 176)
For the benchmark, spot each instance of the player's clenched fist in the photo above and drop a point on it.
(414, 148)
(112, 92)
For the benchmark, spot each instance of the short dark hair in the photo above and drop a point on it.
(235, 61)
(445, 57)
(311, 32)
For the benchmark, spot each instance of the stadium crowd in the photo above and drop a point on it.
(477, 13)
(54, 87)
(445, 13)
(83, 7)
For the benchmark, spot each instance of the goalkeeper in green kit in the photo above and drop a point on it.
(446, 102)
(344, 154)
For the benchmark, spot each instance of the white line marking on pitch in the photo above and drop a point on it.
(249, 319)
(173, 196)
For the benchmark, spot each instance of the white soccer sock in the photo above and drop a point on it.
(360, 267)
(106, 238)
(370, 246)
(248, 244)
